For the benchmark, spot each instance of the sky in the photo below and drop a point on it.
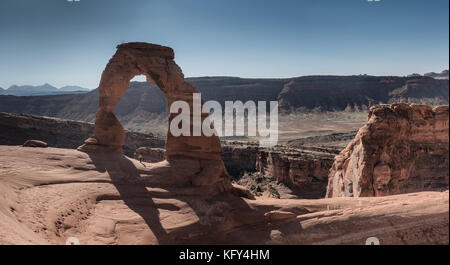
(69, 43)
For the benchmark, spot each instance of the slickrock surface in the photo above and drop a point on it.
(183, 153)
(15, 129)
(402, 148)
(48, 195)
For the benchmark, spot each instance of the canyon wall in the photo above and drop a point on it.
(402, 148)
(305, 172)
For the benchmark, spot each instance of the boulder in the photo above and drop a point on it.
(35, 143)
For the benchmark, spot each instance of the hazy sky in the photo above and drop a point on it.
(69, 43)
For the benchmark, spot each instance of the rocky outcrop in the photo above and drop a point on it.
(195, 159)
(304, 172)
(16, 129)
(402, 148)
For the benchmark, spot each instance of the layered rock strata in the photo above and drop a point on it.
(402, 148)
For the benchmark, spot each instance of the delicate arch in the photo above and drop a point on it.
(157, 64)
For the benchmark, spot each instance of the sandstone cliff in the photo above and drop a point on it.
(16, 129)
(402, 148)
(303, 171)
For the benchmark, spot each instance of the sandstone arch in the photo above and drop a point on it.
(202, 163)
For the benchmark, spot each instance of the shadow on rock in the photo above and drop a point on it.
(217, 213)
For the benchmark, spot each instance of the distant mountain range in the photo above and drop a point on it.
(441, 75)
(144, 101)
(269, 87)
(45, 89)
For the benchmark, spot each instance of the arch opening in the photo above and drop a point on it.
(139, 78)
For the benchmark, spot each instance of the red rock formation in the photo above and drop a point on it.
(200, 153)
(402, 148)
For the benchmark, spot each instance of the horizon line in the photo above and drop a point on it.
(240, 77)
